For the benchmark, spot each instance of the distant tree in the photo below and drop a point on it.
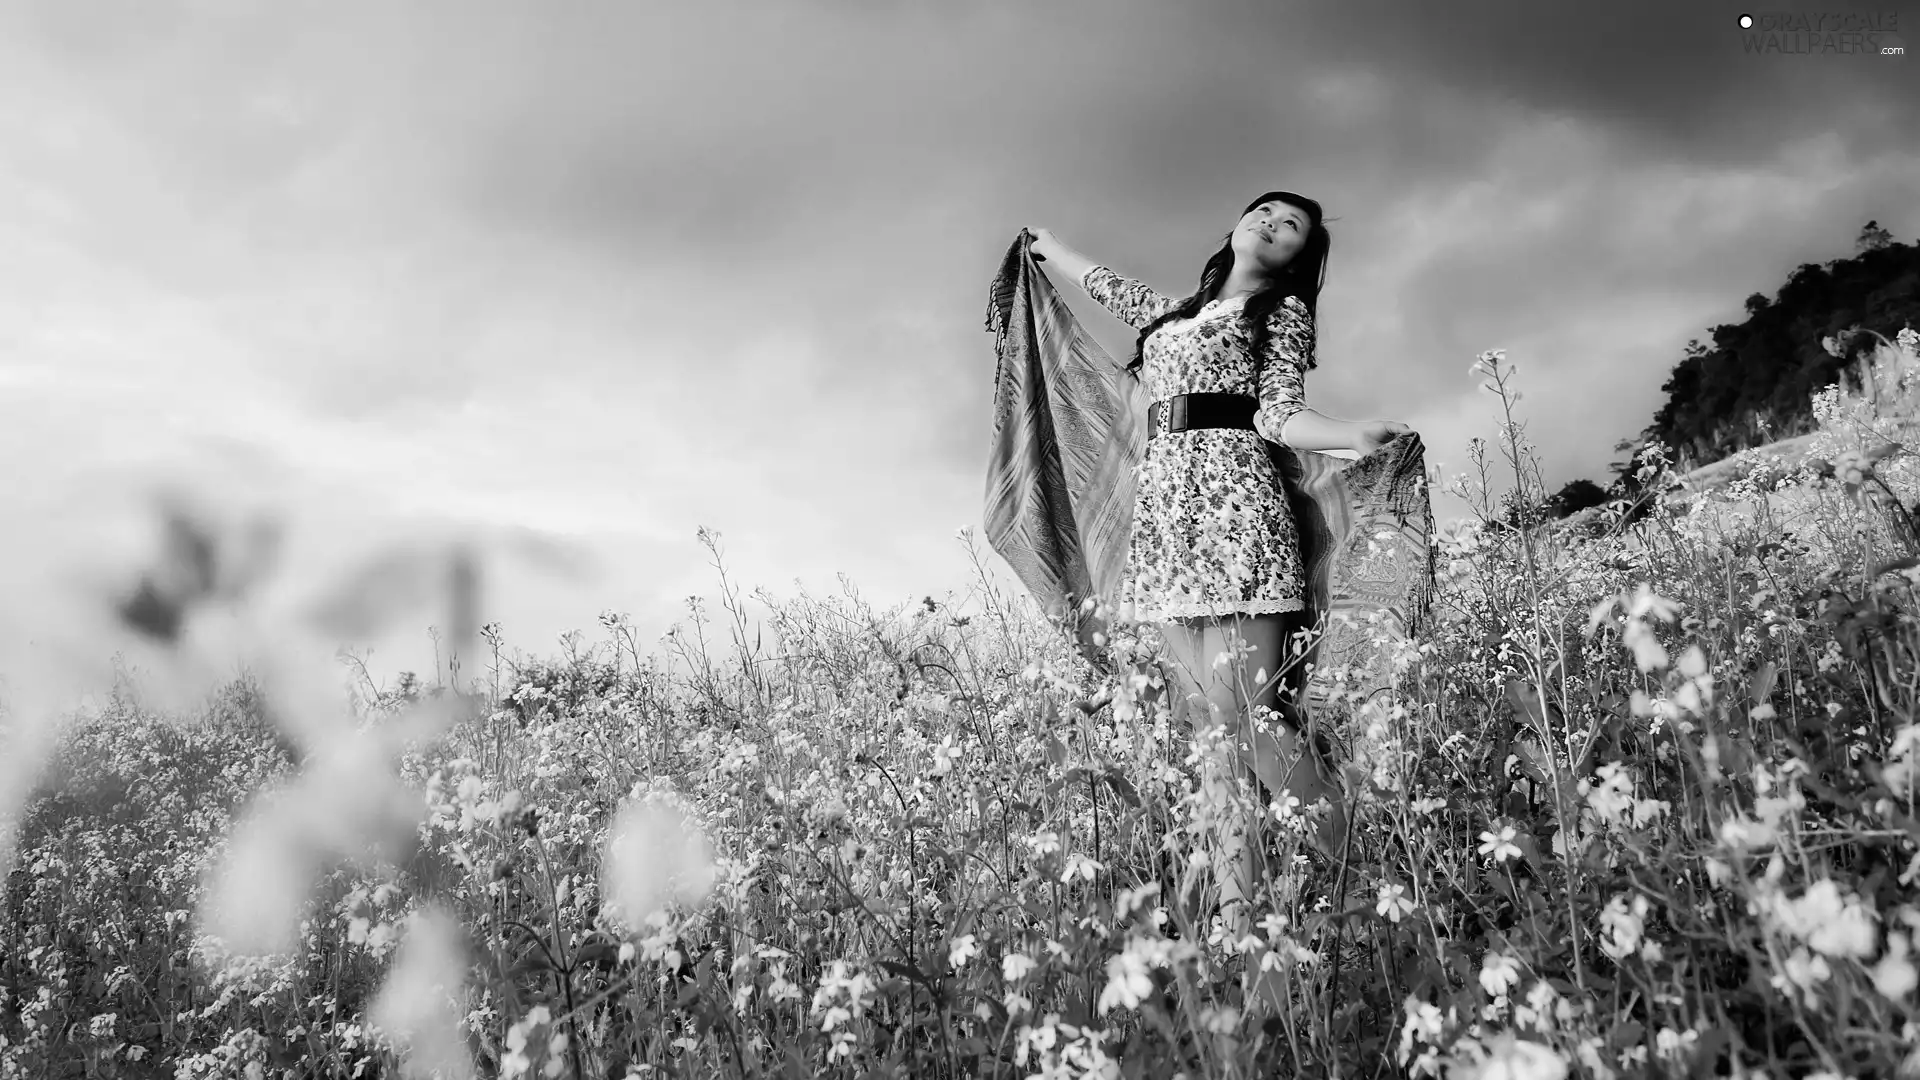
(1626, 476)
(1753, 381)
(1575, 496)
(1872, 238)
(1515, 513)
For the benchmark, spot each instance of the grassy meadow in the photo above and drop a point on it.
(1641, 805)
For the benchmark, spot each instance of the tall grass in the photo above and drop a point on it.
(1642, 804)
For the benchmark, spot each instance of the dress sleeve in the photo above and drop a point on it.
(1283, 368)
(1134, 302)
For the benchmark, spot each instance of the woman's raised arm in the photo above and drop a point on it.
(1133, 302)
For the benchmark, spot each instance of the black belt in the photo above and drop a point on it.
(1185, 411)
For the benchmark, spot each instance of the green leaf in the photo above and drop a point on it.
(1533, 761)
(1056, 750)
(1529, 849)
(1502, 886)
(995, 1006)
(1526, 701)
(1760, 687)
(906, 971)
(1706, 1049)
(1910, 824)
(531, 961)
(1158, 1017)
(1092, 705)
(598, 954)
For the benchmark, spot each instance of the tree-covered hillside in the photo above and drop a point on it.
(1752, 382)
(1772, 363)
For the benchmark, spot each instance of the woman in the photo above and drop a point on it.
(1224, 369)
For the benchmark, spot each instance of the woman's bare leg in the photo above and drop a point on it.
(1207, 701)
(1279, 754)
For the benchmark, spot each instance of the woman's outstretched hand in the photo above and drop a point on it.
(1374, 434)
(1042, 244)
(1065, 263)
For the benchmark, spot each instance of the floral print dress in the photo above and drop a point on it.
(1217, 481)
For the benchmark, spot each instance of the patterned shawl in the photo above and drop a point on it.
(1070, 428)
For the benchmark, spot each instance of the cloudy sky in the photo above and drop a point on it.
(605, 273)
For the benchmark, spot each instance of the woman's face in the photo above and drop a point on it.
(1269, 235)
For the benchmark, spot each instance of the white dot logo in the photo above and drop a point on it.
(1746, 22)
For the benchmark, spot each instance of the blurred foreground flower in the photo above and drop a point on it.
(349, 805)
(1499, 974)
(424, 998)
(655, 855)
(1832, 922)
(202, 593)
(1511, 1058)
(1894, 976)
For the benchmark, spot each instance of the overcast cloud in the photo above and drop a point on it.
(614, 271)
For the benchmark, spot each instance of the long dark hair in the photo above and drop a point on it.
(1303, 277)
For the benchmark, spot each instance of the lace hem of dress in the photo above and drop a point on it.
(1188, 609)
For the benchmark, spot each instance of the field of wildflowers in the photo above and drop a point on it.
(1641, 805)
